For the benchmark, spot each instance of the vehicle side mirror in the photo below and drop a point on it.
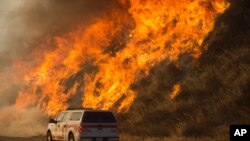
(51, 120)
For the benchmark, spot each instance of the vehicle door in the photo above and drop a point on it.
(52, 126)
(74, 124)
(61, 126)
(58, 132)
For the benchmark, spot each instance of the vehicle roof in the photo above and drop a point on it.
(83, 110)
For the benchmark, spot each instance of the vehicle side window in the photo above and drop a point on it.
(65, 116)
(60, 117)
(75, 116)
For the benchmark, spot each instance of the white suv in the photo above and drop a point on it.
(83, 125)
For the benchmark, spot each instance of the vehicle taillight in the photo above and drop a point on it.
(80, 129)
(83, 128)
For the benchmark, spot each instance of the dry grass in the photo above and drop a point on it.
(214, 90)
(126, 137)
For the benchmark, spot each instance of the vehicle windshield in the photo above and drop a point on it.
(98, 117)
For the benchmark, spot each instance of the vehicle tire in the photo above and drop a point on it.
(71, 137)
(49, 136)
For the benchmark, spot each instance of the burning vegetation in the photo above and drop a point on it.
(160, 64)
(100, 62)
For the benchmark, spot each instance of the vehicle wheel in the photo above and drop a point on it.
(71, 137)
(49, 136)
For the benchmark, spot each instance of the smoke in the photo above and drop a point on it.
(212, 88)
(23, 25)
(22, 123)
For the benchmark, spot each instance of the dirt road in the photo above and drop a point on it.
(22, 139)
(122, 138)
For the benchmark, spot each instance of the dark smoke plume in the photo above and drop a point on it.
(24, 25)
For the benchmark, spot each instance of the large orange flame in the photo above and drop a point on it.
(121, 49)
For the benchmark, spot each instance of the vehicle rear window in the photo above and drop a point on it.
(98, 117)
(75, 116)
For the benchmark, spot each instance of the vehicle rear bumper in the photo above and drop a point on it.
(96, 138)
